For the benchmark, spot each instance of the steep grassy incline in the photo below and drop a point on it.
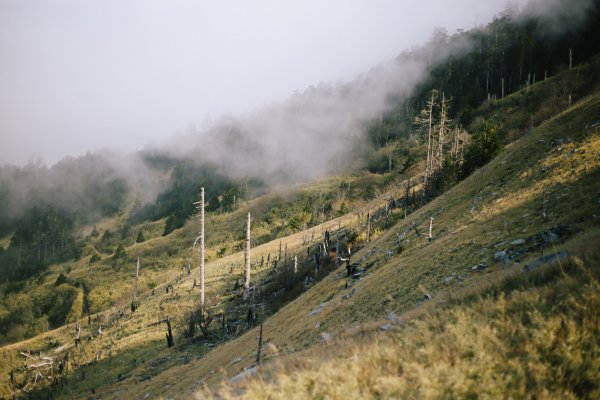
(539, 197)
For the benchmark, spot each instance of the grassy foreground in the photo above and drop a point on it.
(526, 337)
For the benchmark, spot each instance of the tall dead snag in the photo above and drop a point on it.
(134, 300)
(368, 226)
(570, 58)
(406, 196)
(202, 247)
(295, 265)
(260, 336)
(444, 123)
(430, 237)
(247, 257)
(169, 334)
(425, 121)
(279, 258)
(544, 213)
(77, 334)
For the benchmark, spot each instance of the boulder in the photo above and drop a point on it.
(317, 310)
(501, 256)
(479, 267)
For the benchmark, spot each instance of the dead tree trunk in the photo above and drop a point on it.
(247, 256)
(77, 334)
(368, 227)
(406, 198)
(430, 237)
(544, 214)
(260, 336)
(570, 58)
(425, 119)
(279, 258)
(201, 247)
(444, 121)
(134, 300)
(170, 341)
(295, 265)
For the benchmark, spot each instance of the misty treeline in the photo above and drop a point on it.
(87, 186)
(175, 202)
(514, 51)
(44, 207)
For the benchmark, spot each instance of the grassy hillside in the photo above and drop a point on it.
(486, 330)
(330, 342)
(512, 261)
(130, 339)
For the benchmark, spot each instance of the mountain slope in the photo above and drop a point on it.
(539, 195)
(495, 218)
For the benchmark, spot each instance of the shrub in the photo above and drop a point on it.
(95, 258)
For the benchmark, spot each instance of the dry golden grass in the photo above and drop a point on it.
(542, 343)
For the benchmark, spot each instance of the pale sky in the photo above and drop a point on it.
(121, 74)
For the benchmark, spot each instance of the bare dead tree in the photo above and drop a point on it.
(430, 237)
(444, 122)
(368, 227)
(134, 301)
(260, 340)
(169, 334)
(406, 196)
(77, 334)
(202, 247)
(36, 369)
(295, 265)
(425, 120)
(247, 256)
(544, 214)
(279, 258)
(570, 58)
